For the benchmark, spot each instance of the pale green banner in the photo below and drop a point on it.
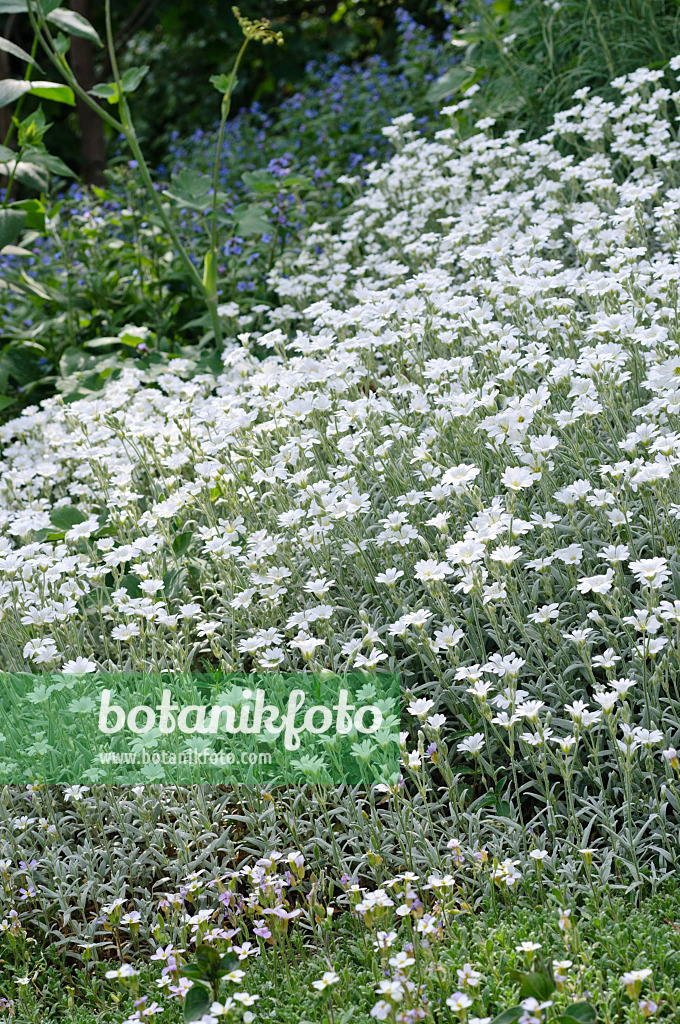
(269, 729)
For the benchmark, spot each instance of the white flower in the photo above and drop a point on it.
(389, 577)
(125, 971)
(79, 666)
(472, 744)
(458, 1002)
(517, 478)
(127, 632)
(420, 708)
(75, 793)
(651, 572)
(328, 978)
(631, 978)
(597, 584)
(459, 476)
(382, 1010)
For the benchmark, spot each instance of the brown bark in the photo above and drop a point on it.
(92, 140)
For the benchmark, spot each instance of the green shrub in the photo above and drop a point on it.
(530, 56)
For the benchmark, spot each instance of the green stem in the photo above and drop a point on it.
(61, 64)
(226, 107)
(10, 181)
(210, 278)
(128, 130)
(17, 108)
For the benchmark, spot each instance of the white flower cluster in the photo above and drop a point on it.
(460, 464)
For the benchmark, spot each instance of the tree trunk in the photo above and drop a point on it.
(92, 140)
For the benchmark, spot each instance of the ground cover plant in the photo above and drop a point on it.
(106, 260)
(448, 450)
(531, 55)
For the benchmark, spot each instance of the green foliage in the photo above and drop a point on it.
(11, 90)
(529, 57)
(74, 24)
(108, 262)
(578, 1013)
(181, 53)
(207, 971)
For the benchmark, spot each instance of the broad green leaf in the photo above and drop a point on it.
(534, 984)
(15, 51)
(54, 91)
(49, 161)
(509, 1016)
(6, 401)
(506, 98)
(251, 220)
(102, 342)
(106, 91)
(28, 174)
(182, 542)
(197, 1002)
(132, 78)
(450, 82)
(74, 24)
(11, 90)
(48, 6)
(192, 971)
(12, 223)
(252, 178)
(66, 516)
(579, 1013)
(263, 182)
(192, 182)
(130, 583)
(207, 958)
(228, 963)
(35, 213)
(220, 82)
(16, 250)
(294, 181)
(72, 360)
(131, 340)
(13, 7)
(190, 189)
(175, 581)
